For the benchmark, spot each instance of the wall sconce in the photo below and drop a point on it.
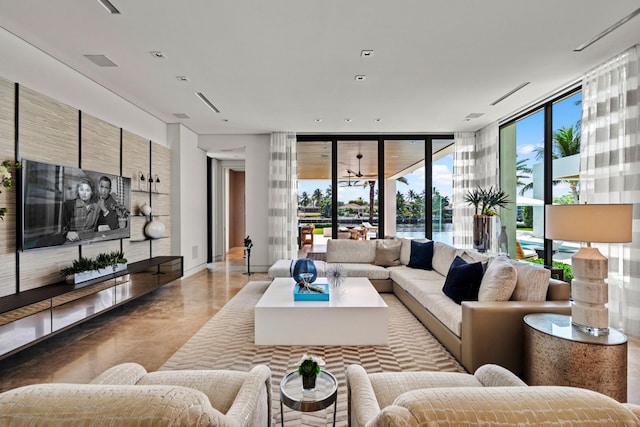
(150, 181)
(140, 180)
(157, 182)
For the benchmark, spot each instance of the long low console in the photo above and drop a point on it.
(29, 317)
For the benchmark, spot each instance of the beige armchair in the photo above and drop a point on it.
(126, 395)
(491, 396)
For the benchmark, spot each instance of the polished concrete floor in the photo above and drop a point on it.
(149, 330)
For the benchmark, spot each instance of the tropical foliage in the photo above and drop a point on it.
(5, 179)
(102, 260)
(485, 201)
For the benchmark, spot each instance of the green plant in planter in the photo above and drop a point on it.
(309, 365)
(102, 260)
(485, 201)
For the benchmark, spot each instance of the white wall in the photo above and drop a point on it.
(188, 198)
(256, 191)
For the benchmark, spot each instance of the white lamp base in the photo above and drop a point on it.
(590, 292)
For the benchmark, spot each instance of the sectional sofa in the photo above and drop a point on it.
(487, 330)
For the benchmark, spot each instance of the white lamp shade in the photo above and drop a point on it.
(589, 223)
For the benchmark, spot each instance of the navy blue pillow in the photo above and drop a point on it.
(421, 255)
(463, 280)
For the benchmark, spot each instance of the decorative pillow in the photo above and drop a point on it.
(443, 256)
(405, 252)
(421, 254)
(463, 280)
(498, 281)
(387, 253)
(532, 282)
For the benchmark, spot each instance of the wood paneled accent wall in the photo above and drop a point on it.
(8, 197)
(52, 132)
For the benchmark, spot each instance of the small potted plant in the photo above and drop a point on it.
(308, 369)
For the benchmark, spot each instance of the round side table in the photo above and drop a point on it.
(325, 394)
(557, 353)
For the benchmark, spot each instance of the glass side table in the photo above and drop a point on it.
(325, 394)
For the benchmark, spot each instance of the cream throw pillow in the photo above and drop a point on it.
(499, 281)
(532, 283)
(387, 253)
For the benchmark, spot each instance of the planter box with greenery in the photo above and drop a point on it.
(84, 269)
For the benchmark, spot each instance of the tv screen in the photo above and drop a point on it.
(64, 205)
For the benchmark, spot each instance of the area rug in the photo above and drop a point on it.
(226, 342)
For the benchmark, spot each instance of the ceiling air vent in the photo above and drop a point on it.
(511, 92)
(109, 6)
(181, 116)
(207, 102)
(101, 60)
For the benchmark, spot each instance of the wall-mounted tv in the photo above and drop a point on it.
(63, 205)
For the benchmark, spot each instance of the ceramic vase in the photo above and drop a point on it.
(503, 240)
(145, 209)
(154, 229)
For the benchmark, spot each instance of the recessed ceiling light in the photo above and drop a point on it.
(360, 77)
(377, 120)
(101, 60)
(182, 78)
(158, 54)
(181, 115)
(366, 53)
(109, 6)
(348, 120)
(318, 120)
(225, 120)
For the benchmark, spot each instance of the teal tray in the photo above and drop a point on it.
(311, 296)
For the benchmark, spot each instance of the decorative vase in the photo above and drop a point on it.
(154, 229)
(503, 240)
(482, 232)
(308, 382)
(145, 209)
(302, 266)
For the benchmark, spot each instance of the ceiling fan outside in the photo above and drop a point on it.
(359, 174)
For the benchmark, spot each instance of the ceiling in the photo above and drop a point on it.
(290, 65)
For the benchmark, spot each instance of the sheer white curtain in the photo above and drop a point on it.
(610, 171)
(464, 166)
(475, 164)
(283, 197)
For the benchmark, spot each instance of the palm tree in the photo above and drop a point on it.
(566, 142)
(304, 199)
(317, 197)
(523, 172)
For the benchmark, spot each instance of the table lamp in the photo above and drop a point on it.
(589, 223)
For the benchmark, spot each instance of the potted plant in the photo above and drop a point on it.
(485, 203)
(308, 369)
(84, 268)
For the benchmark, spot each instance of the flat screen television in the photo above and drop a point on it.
(63, 205)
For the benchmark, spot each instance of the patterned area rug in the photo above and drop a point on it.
(226, 342)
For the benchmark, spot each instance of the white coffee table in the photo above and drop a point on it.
(356, 316)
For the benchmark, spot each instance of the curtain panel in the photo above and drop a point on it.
(475, 164)
(283, 197)
(610, 172)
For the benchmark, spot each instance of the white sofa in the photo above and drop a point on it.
(126, 395)
(475, 332)
(491, 396)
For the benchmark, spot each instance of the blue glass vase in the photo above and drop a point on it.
(303, 265)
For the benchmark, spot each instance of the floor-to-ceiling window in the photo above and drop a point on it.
(539, 164)
(314, 185)
(442, 190)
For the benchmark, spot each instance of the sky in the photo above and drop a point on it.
(529, 135)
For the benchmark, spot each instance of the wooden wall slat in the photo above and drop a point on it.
(48, 129)
(8, 197)
(135, 159)
(161, 166)
(42, 266)
(100, 145)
